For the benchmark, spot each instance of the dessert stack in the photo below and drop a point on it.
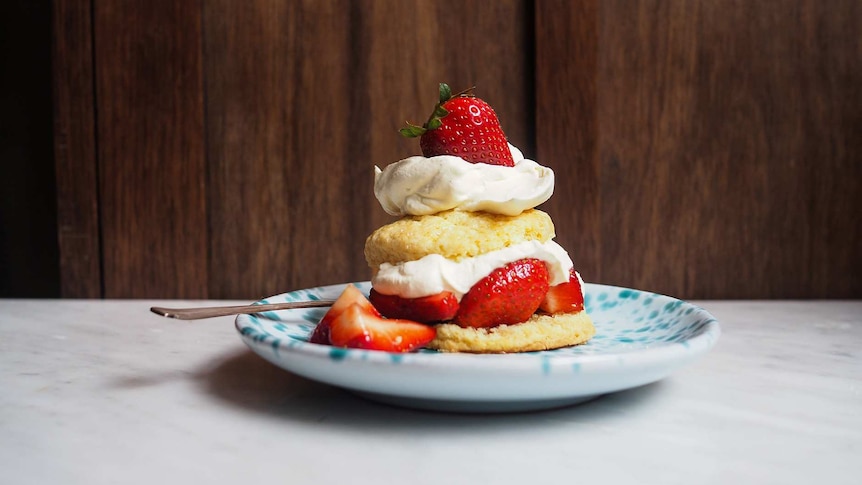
(471, 265)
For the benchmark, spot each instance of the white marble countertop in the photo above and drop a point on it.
(104, 392)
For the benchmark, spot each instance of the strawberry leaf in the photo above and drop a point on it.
(412, 131)
(445, 93)
(440, 111)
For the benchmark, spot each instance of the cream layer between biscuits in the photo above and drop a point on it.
(434, 273)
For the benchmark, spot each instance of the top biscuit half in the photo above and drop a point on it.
(454, 235)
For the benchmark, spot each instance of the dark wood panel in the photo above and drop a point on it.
(304, 98)
(75, 151)
(152, 180)
(277, 92)
(28, 247)
(829, 108)
(567, 131)
(706, 149)
(728, 144)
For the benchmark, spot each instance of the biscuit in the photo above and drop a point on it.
(540, 332)
(454, 235)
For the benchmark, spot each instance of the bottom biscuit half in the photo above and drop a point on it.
(540, 332)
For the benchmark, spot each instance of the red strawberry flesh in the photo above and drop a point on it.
(351, 295)
(434, 308)
(508, 295)
(566, 297)
(464, 126)
(359, 329)
(471, 131)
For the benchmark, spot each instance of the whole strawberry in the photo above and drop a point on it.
(464, 126)
(508, 295)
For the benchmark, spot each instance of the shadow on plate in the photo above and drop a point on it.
(248, 381)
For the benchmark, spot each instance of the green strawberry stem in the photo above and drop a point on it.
(434, 122)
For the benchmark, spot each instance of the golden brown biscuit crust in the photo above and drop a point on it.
(454, 235)
(540, 332)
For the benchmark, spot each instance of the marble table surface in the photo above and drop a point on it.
(104, 392)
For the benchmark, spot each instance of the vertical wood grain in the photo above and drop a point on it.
(278, 98)
(646, 111)
(727, 143)
(75, 151)
(304, 98)
(705, 149)
(152, 179)
(567, 131)
(829, 107)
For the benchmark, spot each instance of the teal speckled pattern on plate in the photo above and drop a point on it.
(640, 337)
(626, 320)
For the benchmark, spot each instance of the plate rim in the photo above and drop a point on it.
(703, 341)
(479, 383)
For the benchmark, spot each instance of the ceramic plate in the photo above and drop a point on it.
(641, 337)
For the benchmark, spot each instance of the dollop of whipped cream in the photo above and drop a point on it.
(420, 186)
(434, 273)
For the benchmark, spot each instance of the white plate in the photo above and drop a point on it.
(641, 337)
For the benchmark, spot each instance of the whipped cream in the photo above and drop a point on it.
(420, 186)
(435, 273)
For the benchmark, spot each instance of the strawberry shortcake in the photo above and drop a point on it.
(488, 282)
(471, 258)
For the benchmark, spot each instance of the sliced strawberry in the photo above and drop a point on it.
(508, 295)
(464, 126)
(427, 309)
(350, 296)
(566, 297)
(360, 329)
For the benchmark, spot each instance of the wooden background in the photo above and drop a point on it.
(220, 149)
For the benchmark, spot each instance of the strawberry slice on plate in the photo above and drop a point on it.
(350, 296)
(566, 297)
(427, 309)
(359, 329)
(508, 295)
(352, 321)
